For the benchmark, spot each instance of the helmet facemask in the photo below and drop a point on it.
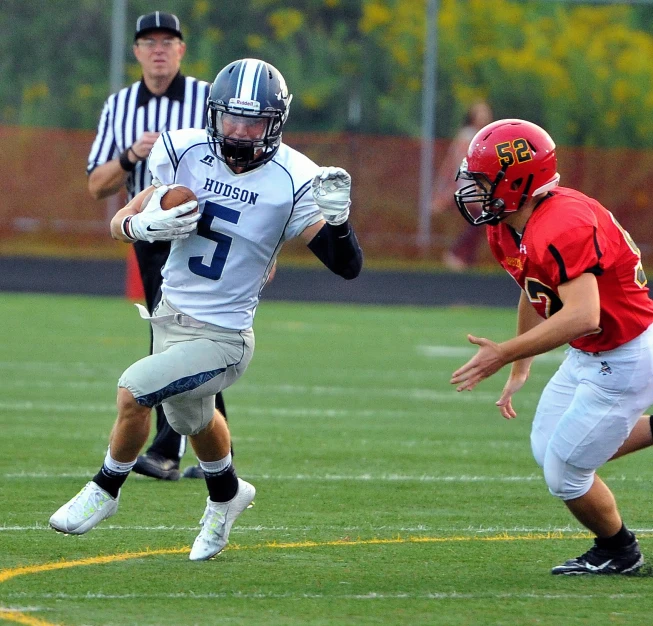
(485, 208)
(243, 152)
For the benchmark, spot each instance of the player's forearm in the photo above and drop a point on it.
(566, 325)
(580, 315)
(106, 179)
(338, 248)
(527, 318)
(117, 229)
(135, 205)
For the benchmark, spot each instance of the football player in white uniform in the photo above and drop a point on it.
(253, 194)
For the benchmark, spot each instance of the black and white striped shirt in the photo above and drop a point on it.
(134, 110)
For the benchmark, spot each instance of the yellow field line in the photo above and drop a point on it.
(21, 618)
(95, 560)
(125, 556)
(398, 540)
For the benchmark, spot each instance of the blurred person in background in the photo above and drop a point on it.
(463, 253)
(583, 284)
(254, 193)
(130, 123)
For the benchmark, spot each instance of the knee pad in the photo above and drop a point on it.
(565, 481)
(189, 417)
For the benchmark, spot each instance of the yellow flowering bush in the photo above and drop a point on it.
(583, 71)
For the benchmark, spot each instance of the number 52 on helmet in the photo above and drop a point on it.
(508, 162)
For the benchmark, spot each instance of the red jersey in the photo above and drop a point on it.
(569, 234)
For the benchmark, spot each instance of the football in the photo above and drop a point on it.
(176, 195)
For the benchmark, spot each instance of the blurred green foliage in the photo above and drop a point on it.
(583, 71)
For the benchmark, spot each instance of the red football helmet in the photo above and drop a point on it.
(508, 162)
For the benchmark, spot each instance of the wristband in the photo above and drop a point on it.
(125, 163)
(138, 158)
(124, 227)
(340, 230)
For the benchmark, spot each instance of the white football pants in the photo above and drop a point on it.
(587, 411)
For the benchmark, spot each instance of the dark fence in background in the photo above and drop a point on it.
(46, 210)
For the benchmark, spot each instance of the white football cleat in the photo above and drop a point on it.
(217, 521)
(85, 511)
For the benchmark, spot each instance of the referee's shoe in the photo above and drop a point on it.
(157, 466)
(194, 471)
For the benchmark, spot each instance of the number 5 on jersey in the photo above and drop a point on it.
(211, 212)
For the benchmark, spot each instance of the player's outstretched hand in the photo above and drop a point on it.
(331, 191)
(512, 386)
(157, 224)
(519, 374)
(487, 361)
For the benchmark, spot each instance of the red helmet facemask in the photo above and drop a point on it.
(508, 162)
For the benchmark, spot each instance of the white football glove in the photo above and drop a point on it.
(331, 192)
(156, 224)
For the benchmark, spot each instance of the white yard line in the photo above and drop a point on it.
(460, 352)
(57, 407)
(425, 478)
(67, 407)
(365, 477)
(405, 394)
(371, 595)
(63, 367)
(241, 529)
(30, 383)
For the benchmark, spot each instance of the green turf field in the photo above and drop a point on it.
(384, 497)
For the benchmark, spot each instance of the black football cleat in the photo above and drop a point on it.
(600, 561)
(157, 466)
(194, 471)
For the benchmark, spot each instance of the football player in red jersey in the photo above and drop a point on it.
(583, 284)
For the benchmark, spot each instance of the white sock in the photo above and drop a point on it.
(116, 466)
(215, 467)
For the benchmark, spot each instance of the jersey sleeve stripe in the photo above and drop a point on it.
(597, 247)
(172, 155)
(301, 192)
(562, 270)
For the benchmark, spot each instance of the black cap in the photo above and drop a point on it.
(157, 21)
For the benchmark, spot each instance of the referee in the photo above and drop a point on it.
(131, 120)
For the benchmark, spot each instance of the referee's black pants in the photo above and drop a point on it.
(151, 258)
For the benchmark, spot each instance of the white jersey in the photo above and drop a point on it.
(216, 275)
